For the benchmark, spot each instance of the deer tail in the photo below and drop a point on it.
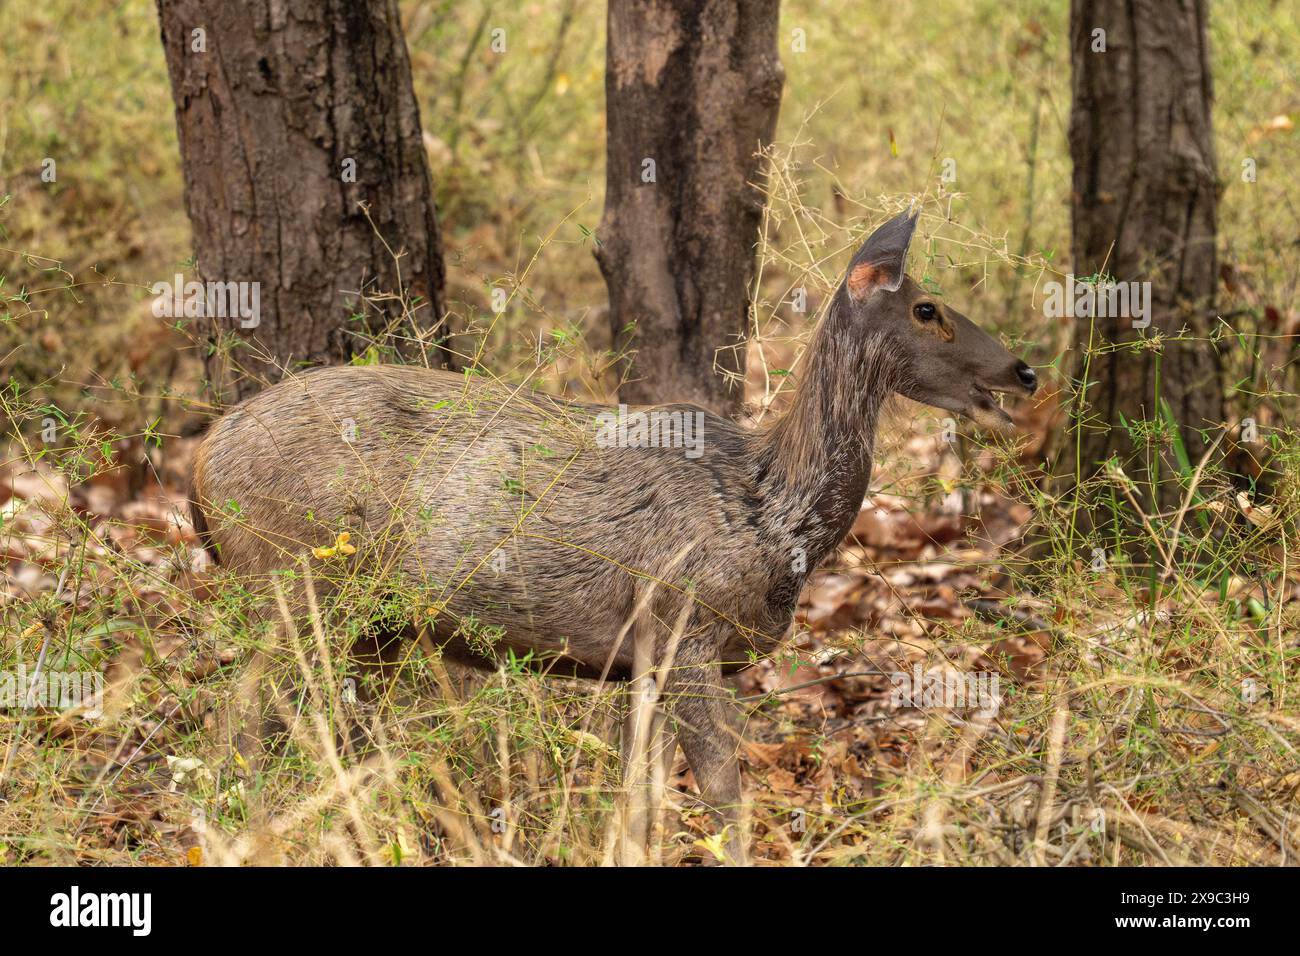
(200, 522)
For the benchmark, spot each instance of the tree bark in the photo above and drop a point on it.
(692, 91)
(290, 118)
(1144, 199)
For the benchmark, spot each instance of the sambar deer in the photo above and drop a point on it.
(530, 515)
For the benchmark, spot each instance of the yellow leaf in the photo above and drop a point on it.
(714, 845)
(340, 546)
(194, 856)
(589, 742)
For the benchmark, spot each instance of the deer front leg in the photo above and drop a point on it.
(707, 730)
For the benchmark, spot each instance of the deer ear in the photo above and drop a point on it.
(879, 263)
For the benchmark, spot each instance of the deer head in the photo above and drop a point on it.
(943, 358)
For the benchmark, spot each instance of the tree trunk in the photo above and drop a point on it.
(1144, 202)
(289, 119)
(692, 91)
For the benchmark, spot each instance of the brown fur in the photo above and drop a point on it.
(861, 278)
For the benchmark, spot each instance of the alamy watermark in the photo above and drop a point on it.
(1075, 299)
(947, 689)
(213, 300)
(653, 428)
(63, 690)
(133, 911)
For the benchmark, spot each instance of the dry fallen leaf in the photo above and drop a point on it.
(1261, 516)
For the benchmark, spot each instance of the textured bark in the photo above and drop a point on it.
(695, 86)
(285, 94)
(1144, 201)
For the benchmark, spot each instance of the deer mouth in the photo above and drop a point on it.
(986, 409)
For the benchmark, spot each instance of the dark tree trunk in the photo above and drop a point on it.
(693, 87)
(276, 117)
(1144, 202)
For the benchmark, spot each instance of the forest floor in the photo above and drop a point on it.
(1089, 745)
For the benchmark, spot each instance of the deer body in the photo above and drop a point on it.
(502, 506)
(506, 509)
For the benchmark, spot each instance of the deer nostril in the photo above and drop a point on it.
(1028, 377)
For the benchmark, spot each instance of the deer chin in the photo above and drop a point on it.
(985, 411)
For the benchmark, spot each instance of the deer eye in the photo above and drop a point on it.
(925, 311)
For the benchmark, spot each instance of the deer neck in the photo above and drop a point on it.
(815, 462)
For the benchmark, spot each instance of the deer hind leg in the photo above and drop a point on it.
(370, 680)
(298, 666)
(707, 727)
(255, 715)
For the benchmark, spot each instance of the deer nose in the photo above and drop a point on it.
(1028, 377)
